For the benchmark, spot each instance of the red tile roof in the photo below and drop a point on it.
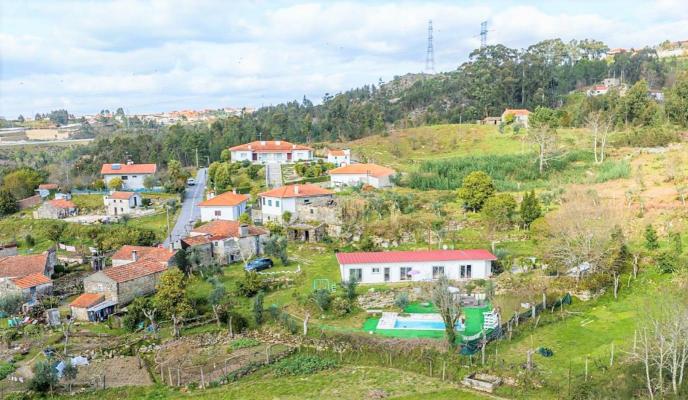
(298, 190)
(220, 229)
(227, 199)
(108, 169)
(62, 203)
(197, 240)
(135, 270)
(336, 153)
(413, 256)
(87, 300)
(18, 266)
(269, 146)
(363, 169)
(516, 111)
(31, 280)
(121, 195)
(48, 186)
(159, 254)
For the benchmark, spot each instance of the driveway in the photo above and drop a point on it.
(190, 211)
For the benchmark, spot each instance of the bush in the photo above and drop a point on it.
(243, 343)
(340, 306)
(251, 284)
(610, 170)
(239, 322)
(258, 308)
(30, 241)
(303, 364)
(322, 299)
(44, 376)
(6, 369)
(402, 300)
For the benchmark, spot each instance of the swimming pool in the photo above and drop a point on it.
(420, 322)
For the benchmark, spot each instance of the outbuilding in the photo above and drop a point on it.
(121, 203)
(374, 175)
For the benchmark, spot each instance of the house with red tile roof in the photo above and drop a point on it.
(226, 206)
(339, 157)
(19, 266)
(123, 283)
(271, 151)
(412, 266)
(128, 254)
(121, 203)
(520, 115)
(92, 307)
(56, 209)
(374, 175)
(30, 286)
(132, 175)
(276, 201)
(226, 242)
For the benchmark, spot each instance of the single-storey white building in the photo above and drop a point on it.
(226, 206)
(409, 266)
(339, 158)
(368, 174)
(120, 203)
(271, 151)
(285, 198)
(132, 175)
(520, 115)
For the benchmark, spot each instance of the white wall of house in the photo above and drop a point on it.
(226, 213)
(375, 273)
(241, 155)
(272, 157)
(121, 206)
(339, 161)
(274, 207)
(302, 155)
(129, 181)
(354, 179)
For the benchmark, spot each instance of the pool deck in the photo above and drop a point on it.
(387, 320)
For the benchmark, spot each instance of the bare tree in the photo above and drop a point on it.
(150, 314)
(66, 331)
(449, 307)
(544, 138)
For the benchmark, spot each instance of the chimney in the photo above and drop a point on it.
(134, 255)
(243, 230)
(210, 195)
(129, 162)
(262, 142)
(278, 142)
(234, 190)
(250, 147)
(296, 189)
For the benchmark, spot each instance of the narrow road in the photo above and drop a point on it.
(190, 211)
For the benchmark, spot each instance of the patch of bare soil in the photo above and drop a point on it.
(118, 371)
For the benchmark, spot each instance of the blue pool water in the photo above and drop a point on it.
(422, 325)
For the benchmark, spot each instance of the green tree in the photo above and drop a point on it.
(286, 217)
(223, 178)
(618, 257)
(276, 246)
(44, 376)
(22, 182)
(530, 208)
(8, 203)
(176, 177)
(244, 218)
(150, 181)
(54, 231)
(225, 155)
(477, 187)
(676, 243)
(636, 103)
(677, 101)
(258, 308)
(350, 289)
(216, 298)
(499, 210)
(10, 303)
(69, 373)
(651, 239)
(171, 300)
(448, 306)
(115, 183)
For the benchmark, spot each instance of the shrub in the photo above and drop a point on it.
(258, 308)
(340, 306)
(322, 299)
(350, 289)
(303, 364)
(476, 188)
(610, 170)
(6, 369)
(11, 303)
(251, 284)
(402, 300)
(239, 322)
(30, 241)
(44, 376)
(243, 343)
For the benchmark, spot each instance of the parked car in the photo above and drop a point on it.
(191, 181)
(259, 264)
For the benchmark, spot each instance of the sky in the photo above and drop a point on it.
(154, 56)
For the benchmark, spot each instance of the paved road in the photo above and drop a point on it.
(190, 211)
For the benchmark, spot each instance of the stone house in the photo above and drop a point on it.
(31, 287)
(227, 241)
(56, 209)
(274, 203)
(123, 283)
(128, 254)
(121, 203)
(18, 266)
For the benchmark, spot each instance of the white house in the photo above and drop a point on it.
(226, 206)
(520, 115)
(367, 174)
(411, 266)
(276, 201)
(271, 151)
(132, 175)
(120, 203)
(598, 90)
(228, 241)
(339, 157)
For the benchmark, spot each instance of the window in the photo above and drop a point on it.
(404, 274)
(263, 200)
(437, 272)
(276, 203)
(218, 213)
(376, 270)
(466, 272)
(134, 177)
(270, 203)
(124, 177)
(306, 201)
(311, 211)
(355, 274)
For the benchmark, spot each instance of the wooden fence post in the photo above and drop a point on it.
(202, 379)
(611, 358)
(586, 368)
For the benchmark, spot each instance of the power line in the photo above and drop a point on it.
(430, 55)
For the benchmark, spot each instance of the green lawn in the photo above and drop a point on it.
(89, 203)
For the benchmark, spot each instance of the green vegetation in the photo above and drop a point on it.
(243, 343)
(303, 364)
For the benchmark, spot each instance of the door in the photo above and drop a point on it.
(386, 274)
(355, 274)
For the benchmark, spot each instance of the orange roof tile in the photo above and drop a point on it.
(20, 265)
(62, 203)
(31, 280)
(279, 146)
(220, 229)
(197, 240)
(121, 195)
(159, 254)
(87, 300)
(297, 190)
(336, 153)
(48, 186)
(108, 169)
(134, 270)
(363, 169)
(227, 199)
(516, 111)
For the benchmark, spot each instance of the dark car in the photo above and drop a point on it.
(259, 264)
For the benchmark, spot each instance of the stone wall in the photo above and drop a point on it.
(29, 202)
(142, 286)
(100, 283)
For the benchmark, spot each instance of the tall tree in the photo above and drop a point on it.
(543, 133)
(449, 307)
(171, 300)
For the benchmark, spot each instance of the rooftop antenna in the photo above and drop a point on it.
(430, 55)
(483, 34)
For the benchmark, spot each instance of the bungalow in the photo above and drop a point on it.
(22, 265)
(56, 209)
(120, 203)
(276, 202)
(30, 287)
(132, 175)
(92, 307)
(339, 157)
(128, 254)
(408, 266)
(123, 283)
(227, 241)
(520, 116)
(597, 90)
(368, 174)
(271, 151)
(226, 206)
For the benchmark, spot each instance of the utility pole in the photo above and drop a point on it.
(430, 54)
(196, 157)
(483, 34)
(167, 214)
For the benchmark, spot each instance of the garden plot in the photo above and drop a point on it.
(117, 371)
